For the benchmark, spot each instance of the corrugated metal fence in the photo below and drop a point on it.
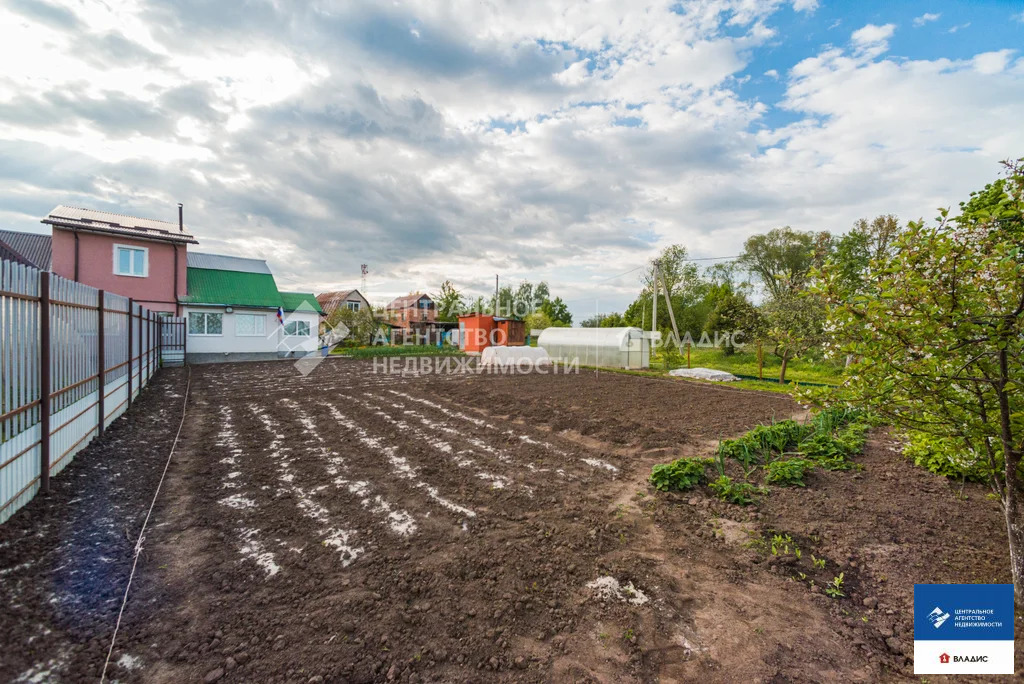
(54, 394)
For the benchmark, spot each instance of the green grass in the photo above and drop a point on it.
(745, 363)
(400, 350)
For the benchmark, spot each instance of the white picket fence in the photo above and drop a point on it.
(54, 395)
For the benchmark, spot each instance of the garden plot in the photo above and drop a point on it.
(357, 526)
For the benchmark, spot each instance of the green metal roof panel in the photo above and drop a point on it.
(232, 288)
(305, 301)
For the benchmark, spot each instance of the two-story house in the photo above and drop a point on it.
(144, 259)
(410, 309)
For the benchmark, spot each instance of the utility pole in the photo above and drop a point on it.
(495, 294)
(654, 300)
(672, 318)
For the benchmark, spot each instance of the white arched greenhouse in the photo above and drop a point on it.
(609, 347)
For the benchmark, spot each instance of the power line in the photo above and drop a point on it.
(721, 258)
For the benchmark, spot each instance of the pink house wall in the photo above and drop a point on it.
(96, 267)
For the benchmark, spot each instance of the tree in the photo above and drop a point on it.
(854, 252)
(557, 311)
(736, 318)
(783, 258)
(610, 320)
(449, 302)
(676, 271)
(792, 324)
(538, 320)
(362, 324)
(939, 331)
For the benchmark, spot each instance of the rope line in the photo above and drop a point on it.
(142, 532)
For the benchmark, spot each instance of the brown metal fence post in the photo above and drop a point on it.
(140, 351)
(131, 303)
(102, 353)
(44, 381)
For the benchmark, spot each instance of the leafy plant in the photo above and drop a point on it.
(741, 493)
(763, 442)
(818, 563)
(780, 543)
(947, 457)
(680, 475)
(788, 471)
(835, 587)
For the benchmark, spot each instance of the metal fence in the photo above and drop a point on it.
(55, 395)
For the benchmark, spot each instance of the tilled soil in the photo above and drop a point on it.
(354, 526)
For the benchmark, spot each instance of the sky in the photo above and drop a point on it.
(534, 139)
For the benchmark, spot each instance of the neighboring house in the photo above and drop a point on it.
(352, 300)
(415, 318)
(233, 307)
(410, 309)
(31, 249)
(135, 257)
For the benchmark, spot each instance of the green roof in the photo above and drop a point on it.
(232, 288)
(294, 301)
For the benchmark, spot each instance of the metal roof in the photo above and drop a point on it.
(300, 301)
(330, 301)
(232, 288)
(94, 221)
(34, 249)
(223, 262)
(406, 301)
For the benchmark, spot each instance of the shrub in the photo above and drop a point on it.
(680, 475)
(945, 456)
(741, 493)
(788, 471)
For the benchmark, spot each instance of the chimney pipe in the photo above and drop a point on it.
(181, 221)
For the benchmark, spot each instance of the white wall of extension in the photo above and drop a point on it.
(238, 335)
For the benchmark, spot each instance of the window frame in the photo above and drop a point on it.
(353, 306)
(255, 317)
(298, 324)
(131, 248)
(206, 324)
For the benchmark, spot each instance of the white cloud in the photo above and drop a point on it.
(992, 62)
(805, 5)
(926, 17)
(539, 140)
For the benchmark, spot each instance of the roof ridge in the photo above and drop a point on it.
(115, 213)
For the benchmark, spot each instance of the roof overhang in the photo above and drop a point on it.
(87, 226)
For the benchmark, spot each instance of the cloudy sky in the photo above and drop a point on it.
(538, 139)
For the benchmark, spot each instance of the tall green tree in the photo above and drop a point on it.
(557, 311)
(866, 242)
(939, 331)
(783, 259)
(449, 302)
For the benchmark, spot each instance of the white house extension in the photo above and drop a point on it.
(236, 313)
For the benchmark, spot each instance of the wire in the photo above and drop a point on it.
(142, 532)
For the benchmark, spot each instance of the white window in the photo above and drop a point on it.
(205, 323)
(296, 329)
(250, 325)
(352, 306)
(131, 261)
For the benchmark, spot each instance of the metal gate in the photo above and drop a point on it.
(173, 340)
